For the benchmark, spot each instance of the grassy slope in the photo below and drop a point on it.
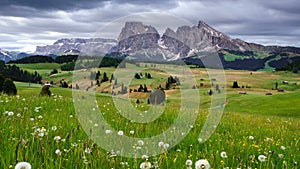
(275, 117)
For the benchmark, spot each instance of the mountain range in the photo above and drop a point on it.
(189, 43)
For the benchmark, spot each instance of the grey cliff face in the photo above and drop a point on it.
(96, 46)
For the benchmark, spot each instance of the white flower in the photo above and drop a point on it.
(40, 117)
(88, 150)
(189, 163)
(223, 154)
(58, 152)
(280, 155)
(145, 156)
(282, 147)
(120, 133)
(19, 115)
(23, 165)
(200, 140)
(31, 119)
(140, 142)
(96, 125)
(262, 158)
(74, 144)
(166, 146)
(251, 137)
(131, 132)
(108, 131)
(268, 139)
(202, 164)
(160, 144)
(10, 113)
(145, 165)
(57, 138)
(41, 134)
(53, 128)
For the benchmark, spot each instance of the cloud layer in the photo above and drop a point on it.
(25, 24)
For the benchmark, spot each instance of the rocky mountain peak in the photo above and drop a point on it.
(135, 37)
(135, 28)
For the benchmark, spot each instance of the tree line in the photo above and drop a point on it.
(17, 74)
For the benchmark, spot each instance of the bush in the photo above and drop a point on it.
(45, 91)
(2, 79)
(9, 87)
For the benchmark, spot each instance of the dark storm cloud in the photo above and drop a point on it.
(35, 22)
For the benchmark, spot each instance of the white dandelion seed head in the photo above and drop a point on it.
(166, 146)
(10, 113)
(145, 165)
(53, 128)
(131, 132)
(31, 119)
(19, 115)
(160, 144)
(223, 154)
(140, 142)
(145, 157)
(282, 148)
(58, 152)
(108, 131)
(57, 138)
(120, 133)
(202, 164)
(23, 165)
(189, 163)
(40, 117)
(262, 158)
(200, 140)
(251, 137)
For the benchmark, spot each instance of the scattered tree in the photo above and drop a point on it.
(45, 91)
(9, 87)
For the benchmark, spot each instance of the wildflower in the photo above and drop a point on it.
(57, 138)
(282, 147)
(223, 154)
(23, 165)
(160, 144)
(145, 165)
(251, 137)
(58, 152)
(189, 163)
(202, 164)
(166, 146)
(280, 155)
(131, 132)
(19, 115)
(74, 144)
(108, 131)
(268, 139)
(140, 142)
(88, 150)
(53, 128)
(31, 119)
(40, 117)
(145, 156)
(262, 158)
(120, 133)
(10, 113)
(200, 140)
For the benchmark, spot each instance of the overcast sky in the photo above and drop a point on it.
(25, 24)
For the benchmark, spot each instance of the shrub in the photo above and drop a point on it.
(9, 87)
(45, 91)
(2, 79)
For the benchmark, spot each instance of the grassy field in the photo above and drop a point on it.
(253, 124)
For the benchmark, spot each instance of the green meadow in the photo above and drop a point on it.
(46, 131)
